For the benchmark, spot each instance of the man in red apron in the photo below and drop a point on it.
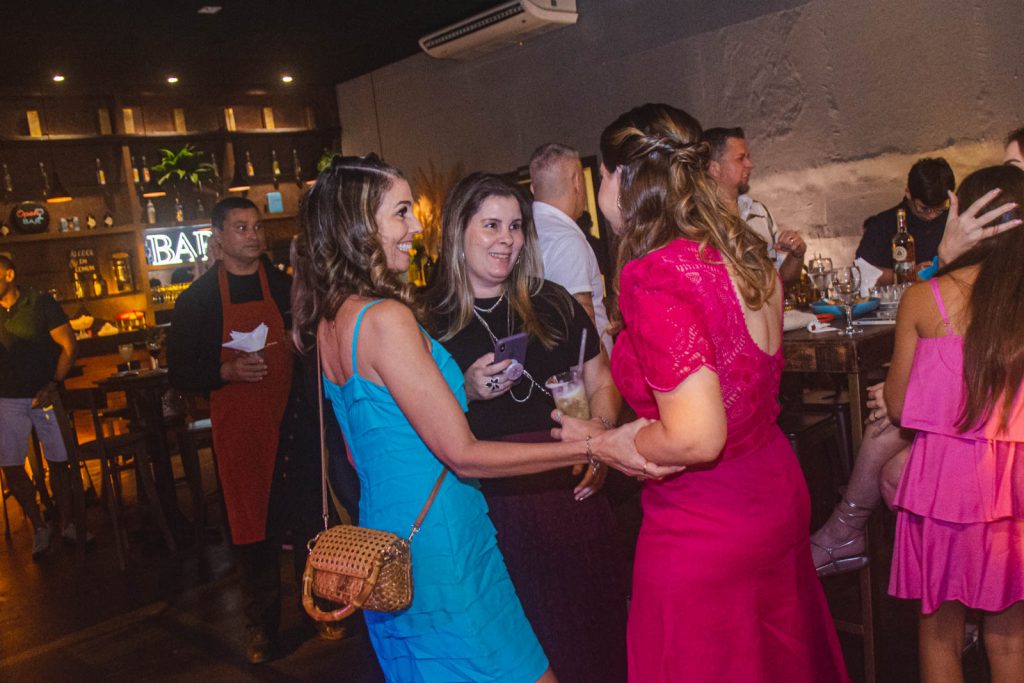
(248, 395)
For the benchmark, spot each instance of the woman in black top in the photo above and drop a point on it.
(555, 529)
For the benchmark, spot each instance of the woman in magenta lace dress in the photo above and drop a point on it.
(723, 584)
(956, 375)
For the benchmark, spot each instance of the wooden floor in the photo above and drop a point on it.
(179, 618)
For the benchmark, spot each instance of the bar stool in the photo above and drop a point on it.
(810, 433)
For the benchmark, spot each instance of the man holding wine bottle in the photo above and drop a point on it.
(924, 209)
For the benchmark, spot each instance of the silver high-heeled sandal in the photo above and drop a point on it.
(855, 517)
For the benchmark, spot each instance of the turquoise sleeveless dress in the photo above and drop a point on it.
(465, 622)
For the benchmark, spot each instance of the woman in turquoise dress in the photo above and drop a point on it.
(399, 398)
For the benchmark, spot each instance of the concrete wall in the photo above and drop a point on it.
(838, 98)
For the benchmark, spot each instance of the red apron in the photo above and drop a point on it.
(247, 416)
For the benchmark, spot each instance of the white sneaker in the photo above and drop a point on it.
(41, 541)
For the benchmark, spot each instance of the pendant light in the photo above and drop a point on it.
(152, 189)
(53, 194)
(239, 183)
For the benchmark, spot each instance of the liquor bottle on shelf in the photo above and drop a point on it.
(45, 179)
(179, 211)
(903, 260)
(98, 285)
(90, 222)
(76, 285)
(8, 183)
(101, 176)
(200, 209)
(296, 167)
(108, 220)
(135, 172)
(150, 212)
(145, 171)
(250, 170)
(275, 167)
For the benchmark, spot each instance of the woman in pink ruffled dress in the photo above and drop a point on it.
(724, 588)
(956, 375)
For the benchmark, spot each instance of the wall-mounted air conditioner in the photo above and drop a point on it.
(507, 24)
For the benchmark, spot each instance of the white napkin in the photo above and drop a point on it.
(248, 342)
(107, 330)
(816, 327)
(868, 276)
(797, 320)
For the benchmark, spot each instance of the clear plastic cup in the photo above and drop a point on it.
(570, 394)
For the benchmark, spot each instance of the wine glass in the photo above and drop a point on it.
(819, 270)
(154, 343)
(846, 285)
(126, 351)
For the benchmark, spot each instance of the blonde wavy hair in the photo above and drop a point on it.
(665, 193)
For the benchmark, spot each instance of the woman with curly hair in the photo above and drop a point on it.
(399, 398)
(723, 584)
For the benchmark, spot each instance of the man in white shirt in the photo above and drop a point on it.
(556, 179)
(730, 168)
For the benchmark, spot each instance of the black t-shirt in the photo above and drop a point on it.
(876, 243)
(196, 334)
(504, 416)
(28, 354)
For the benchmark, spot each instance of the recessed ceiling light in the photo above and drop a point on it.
(286, 79)
(209, 9)
(58, 78)
(172, 79)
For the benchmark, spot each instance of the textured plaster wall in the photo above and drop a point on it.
(838, 98)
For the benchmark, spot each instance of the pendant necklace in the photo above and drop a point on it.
(494, 340)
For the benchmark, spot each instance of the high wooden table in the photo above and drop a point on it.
(833, 353)
(854, 357)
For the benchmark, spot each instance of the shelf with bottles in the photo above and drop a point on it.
(84, 233)
(98, 297)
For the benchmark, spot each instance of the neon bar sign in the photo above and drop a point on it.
(177, 245)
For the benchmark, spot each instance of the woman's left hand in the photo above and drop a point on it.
(485, 379)
(594, 475)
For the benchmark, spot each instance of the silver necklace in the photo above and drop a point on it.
(494, 340)
(491, 309)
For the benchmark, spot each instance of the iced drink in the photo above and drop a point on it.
(569, 393)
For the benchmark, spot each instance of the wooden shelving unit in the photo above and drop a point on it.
(73, 138)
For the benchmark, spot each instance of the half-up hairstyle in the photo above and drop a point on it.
(450, 293)
(338, 252)
(665, 193)
(994, 338)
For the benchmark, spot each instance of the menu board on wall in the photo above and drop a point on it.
(83, 261)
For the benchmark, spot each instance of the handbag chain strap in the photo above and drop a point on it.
(323, 458)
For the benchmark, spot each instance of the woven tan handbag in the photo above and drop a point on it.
(354, 566)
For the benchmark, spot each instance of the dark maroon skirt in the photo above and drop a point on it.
(562, 557)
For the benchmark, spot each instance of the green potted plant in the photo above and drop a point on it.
(184, 171)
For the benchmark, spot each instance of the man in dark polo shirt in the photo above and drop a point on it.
(925, 201)
(37, 349)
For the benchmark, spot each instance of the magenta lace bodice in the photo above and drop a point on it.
(681, 313)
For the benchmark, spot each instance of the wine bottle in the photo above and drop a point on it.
(903, 251)
(8, 184)
(101, 176)
(150, 212)
(46, 179)
(145, 170)
(179, 211)
(250, 170)
(296, 167)
(135, 171)
(275, 168)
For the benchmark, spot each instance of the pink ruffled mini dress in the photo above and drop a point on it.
(960, 529)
